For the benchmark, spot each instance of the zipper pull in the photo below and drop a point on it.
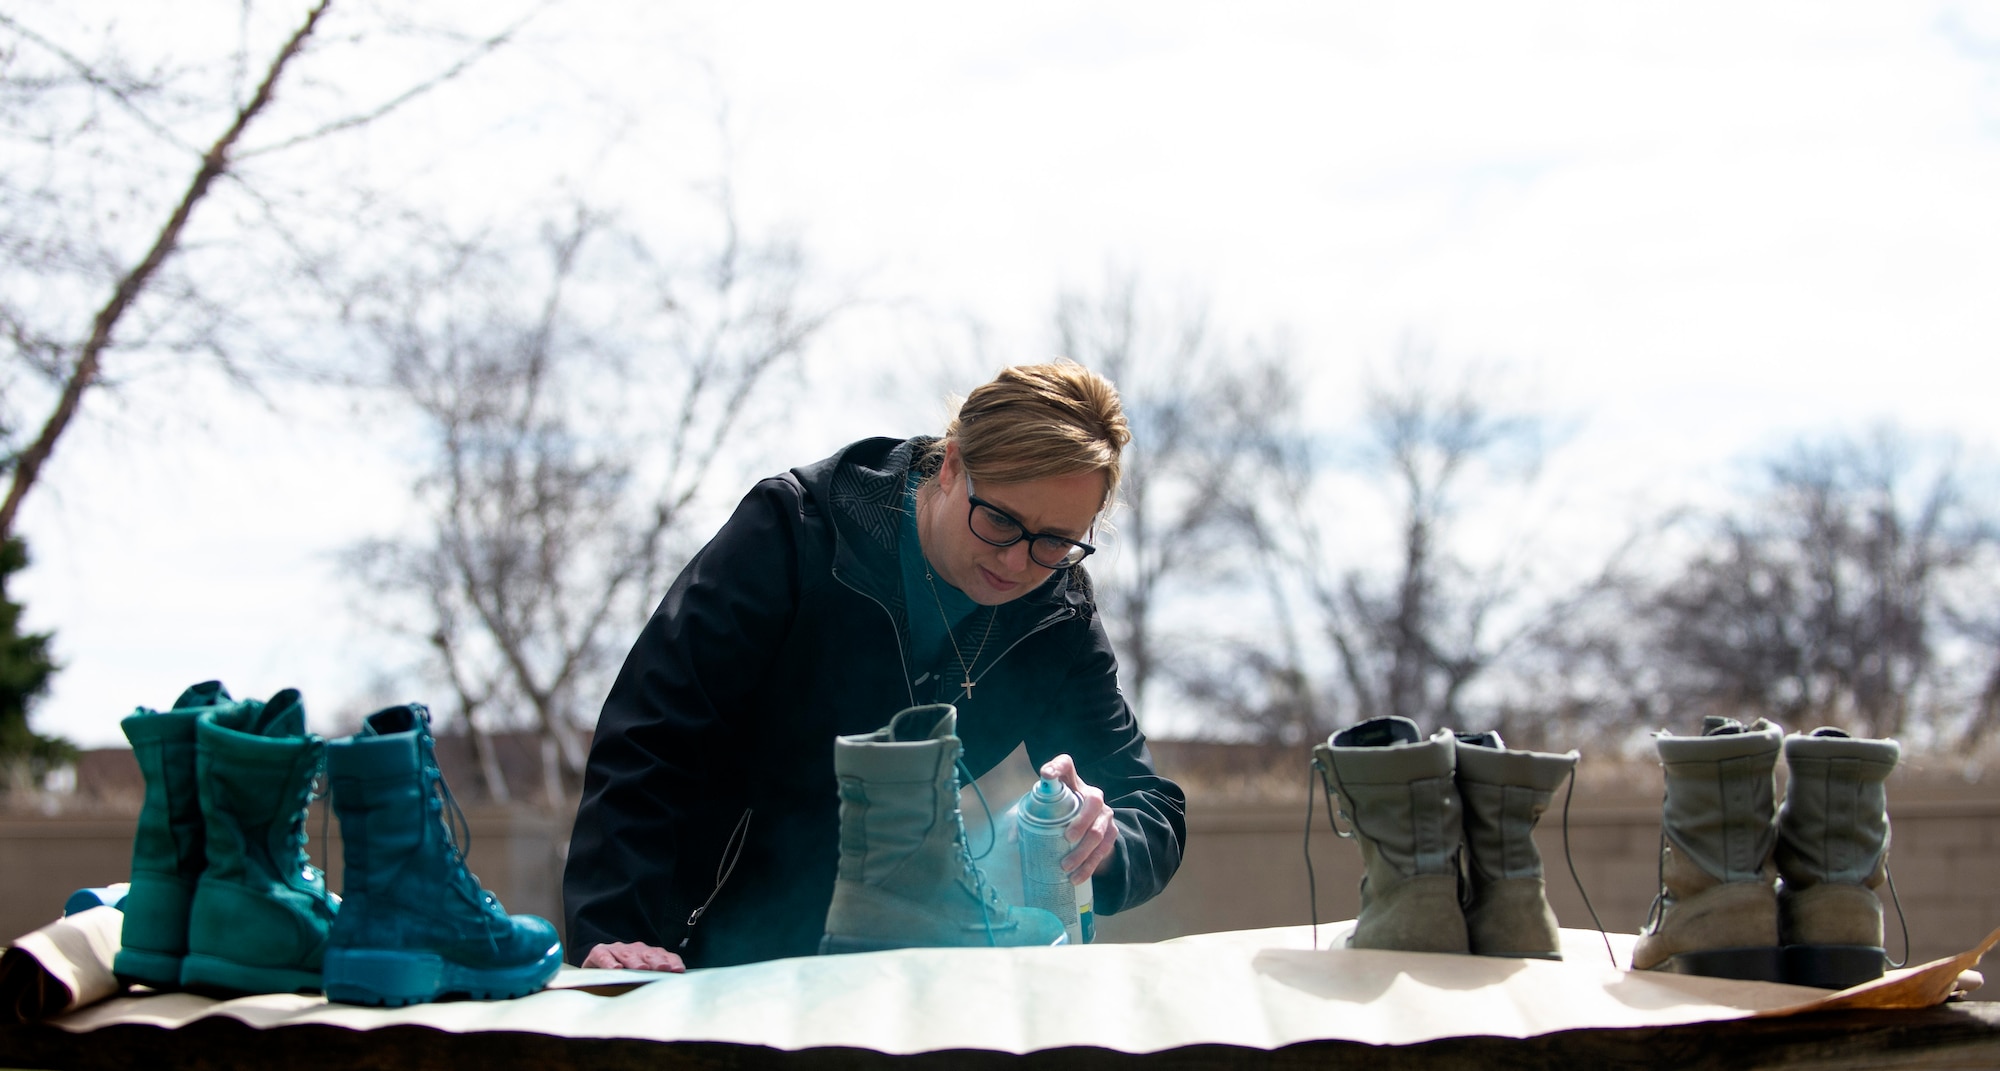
(692, 920)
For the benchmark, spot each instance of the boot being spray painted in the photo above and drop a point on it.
(1045, 814)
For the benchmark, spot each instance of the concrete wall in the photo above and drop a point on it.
(1245, 867)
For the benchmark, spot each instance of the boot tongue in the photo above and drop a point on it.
(1379, 732)
(1868, 760)
(1716, 725)
(390, 720)
(933, 722)
(205, 694)
(284, 715)
(244, 716)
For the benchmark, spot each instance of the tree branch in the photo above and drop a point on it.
(28, 466)
(93, 78)
(480, 51)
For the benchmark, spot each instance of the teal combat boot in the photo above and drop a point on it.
(1397, 792)
(261, 910)
(906, 878)
(414, 923)
(169, 851)
(1833, 854)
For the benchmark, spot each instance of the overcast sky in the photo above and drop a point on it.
(1695, 230)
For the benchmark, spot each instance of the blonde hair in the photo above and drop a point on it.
(1034, 421)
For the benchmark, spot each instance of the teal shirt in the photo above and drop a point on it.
(931, 650)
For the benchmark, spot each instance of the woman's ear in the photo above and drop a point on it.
(948, 468)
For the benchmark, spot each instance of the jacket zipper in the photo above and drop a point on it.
(1050, 621)
(901, 659)
(731, 852)
(909, 689)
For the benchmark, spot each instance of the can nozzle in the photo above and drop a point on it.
(1048, 801)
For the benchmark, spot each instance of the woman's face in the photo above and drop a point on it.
(1058, 505)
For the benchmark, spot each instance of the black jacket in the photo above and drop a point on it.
(786, 630)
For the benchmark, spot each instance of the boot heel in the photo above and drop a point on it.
(391, 979)
(161, 970)
(213, 974)
(840, 945)
(1833, 966)
(1745, 964)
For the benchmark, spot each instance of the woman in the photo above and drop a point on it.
(894, 573)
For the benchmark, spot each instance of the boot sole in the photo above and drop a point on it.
(213, 974)
(161, 970)
(382, 978)
(840, 944)
(1763, 964)
(1833, 966)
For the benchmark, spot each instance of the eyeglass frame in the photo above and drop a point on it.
(976, 503)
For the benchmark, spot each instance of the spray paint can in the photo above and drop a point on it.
(1043, 815)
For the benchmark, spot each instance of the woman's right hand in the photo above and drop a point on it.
(632, 955)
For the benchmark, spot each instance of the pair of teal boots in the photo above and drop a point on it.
(223, 896)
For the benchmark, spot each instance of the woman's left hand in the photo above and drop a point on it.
(1093, 831)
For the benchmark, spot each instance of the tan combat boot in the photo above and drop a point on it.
(1717, 910)
(906, 878)
(1402, 807)
(1833, 853)
(1505, 793)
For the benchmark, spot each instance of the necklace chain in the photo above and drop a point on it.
(966, 683)
(964, 668)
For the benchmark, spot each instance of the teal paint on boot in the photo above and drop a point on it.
(169, 849)
(907, 878)
(414, 923)
(261, 911)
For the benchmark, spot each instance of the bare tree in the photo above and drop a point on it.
(1200, 409)
(578, 402)
(1408, 636)
(89, 138)
(1829, 597)
(1980, 625)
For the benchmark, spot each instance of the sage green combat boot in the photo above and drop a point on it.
(1717, 909)
(1397, 793)
(1504, 793)
(169, 850)
(261, 910)
(1833, 853)
(414, 923)
(906, 878)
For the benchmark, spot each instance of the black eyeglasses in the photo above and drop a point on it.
(996, 526)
